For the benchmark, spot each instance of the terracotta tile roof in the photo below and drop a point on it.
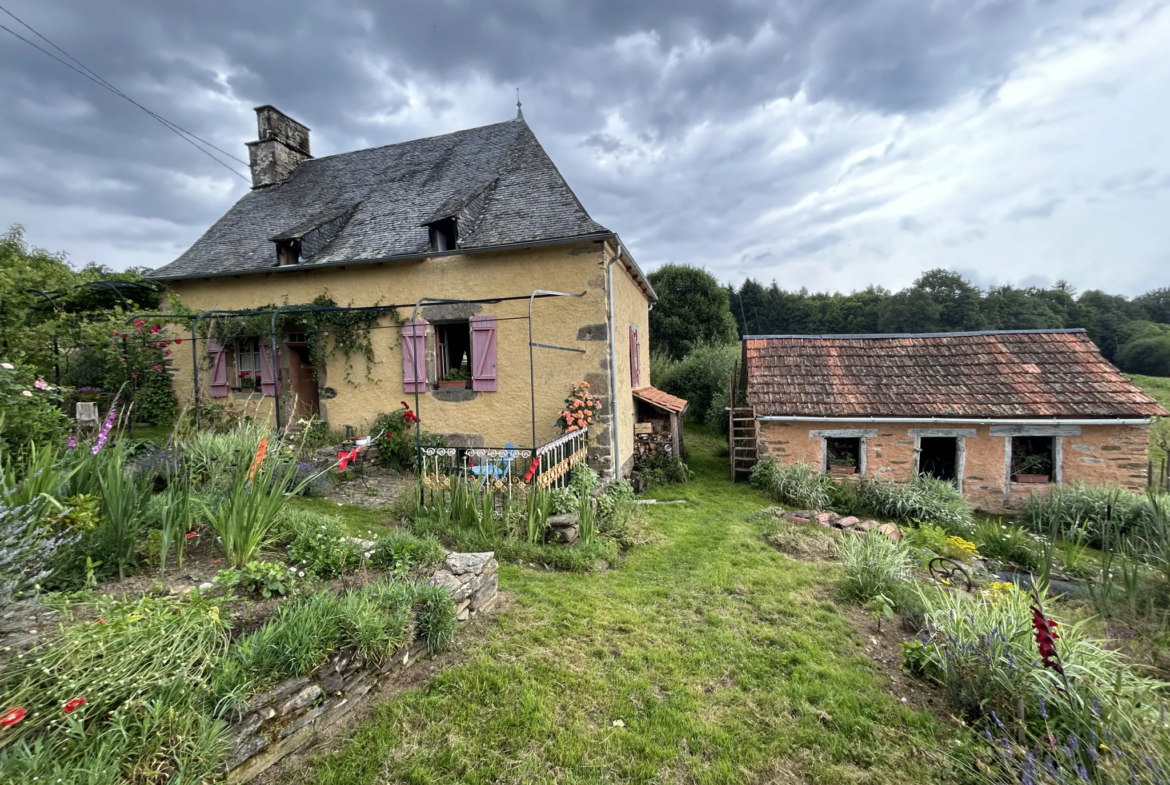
(1027, 373)
(656, 397)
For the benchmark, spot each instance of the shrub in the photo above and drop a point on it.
(924, 499)
(1006, 543)
(795, 484)
(253, 505)
(394, 435)
(259, 577)
(663, 469)
(618, 516)
(875, 566)
(154, 400)
(316, 544)
(717, 416)
(700, 376)
(401, 551)
(30, 409)
(932, 538)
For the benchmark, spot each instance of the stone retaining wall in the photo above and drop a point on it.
(289, 717)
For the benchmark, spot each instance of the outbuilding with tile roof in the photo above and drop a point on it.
(1002, 414)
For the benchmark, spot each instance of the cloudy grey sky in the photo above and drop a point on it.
(821, 143)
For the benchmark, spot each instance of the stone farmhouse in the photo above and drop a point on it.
(480, 216)
(1001, 414)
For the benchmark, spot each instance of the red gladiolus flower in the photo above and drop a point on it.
(192, 534)
(532, 470)
(12, 716)
(1046, 637)
(72, 704)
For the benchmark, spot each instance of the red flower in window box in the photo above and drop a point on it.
(245, 374)
(12, 716)
(73, 704)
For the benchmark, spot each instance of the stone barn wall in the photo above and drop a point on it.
(1094, 454)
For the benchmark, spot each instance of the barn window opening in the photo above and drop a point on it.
(444, 235)
(938, 457)
(288, 252)
(453, 344)
(1032, 458)
(843, 455)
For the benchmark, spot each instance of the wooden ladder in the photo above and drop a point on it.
(741, 431)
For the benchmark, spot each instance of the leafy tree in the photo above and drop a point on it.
(1156, 304)
(692, 310)
(958, 300)
(910, 311)
(1147, 351)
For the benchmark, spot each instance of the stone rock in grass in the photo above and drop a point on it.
(806, 514)
(847, 521)
(794, 518)
(830, 518)
(447, 580)
(300, 700)
(891, 531)
(866, 525)
(460, 563)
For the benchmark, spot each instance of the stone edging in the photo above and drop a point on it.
(289, 716)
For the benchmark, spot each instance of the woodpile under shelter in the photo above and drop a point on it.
(1001, 414)
(658, 423)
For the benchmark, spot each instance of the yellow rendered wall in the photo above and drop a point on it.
(498, 417)
(630, 307)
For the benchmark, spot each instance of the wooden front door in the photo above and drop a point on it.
(302, 383)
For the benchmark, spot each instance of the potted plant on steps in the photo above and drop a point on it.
(457, 379)
(843, 464)
(1033, 469)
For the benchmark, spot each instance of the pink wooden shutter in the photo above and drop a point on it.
(414, 356)
(217, 380)
(267, 377)
(483, 353)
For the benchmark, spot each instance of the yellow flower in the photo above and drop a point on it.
(958, 548)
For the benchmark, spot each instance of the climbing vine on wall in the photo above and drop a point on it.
(344, 331)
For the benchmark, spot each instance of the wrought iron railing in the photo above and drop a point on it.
(505, 469)
(558, 457)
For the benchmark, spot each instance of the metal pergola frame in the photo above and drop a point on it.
(195, 319)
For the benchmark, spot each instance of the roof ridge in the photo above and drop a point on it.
(409, 141)
(966, 334)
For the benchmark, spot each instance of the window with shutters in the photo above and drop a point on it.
(247, 370)
(453, 351)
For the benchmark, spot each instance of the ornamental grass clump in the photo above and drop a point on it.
(875, 566)
(794, 484)
(1001, 657)
(401, 551)
(924, 499)
(118, 688)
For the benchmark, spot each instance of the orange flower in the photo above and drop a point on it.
(585, 385)
(261, 451)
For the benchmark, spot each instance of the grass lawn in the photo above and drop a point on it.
(1159, 388)
(708, 657)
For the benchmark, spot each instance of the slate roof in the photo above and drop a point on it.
(656, 397)
(511, 190)
(986, 375)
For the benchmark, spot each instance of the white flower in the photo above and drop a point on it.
(8, 366)
(26, 393)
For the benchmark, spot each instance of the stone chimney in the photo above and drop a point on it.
(282, 145)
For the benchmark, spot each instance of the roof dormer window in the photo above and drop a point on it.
(444, 235)
(288, 252)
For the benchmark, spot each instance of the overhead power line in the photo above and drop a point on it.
(94, 77)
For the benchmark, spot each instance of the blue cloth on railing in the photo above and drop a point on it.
(498, 467)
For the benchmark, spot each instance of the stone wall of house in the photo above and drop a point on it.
(290, 716)
(1114, 454)
(493, 419)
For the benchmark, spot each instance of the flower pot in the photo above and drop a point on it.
(447, 384)
(1039, 479)
(838, 469)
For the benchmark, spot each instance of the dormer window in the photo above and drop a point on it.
(288, 252)
(444, 235)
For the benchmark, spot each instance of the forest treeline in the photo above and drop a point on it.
(1133, 333)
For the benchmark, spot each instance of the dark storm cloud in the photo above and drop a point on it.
(351, 69)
